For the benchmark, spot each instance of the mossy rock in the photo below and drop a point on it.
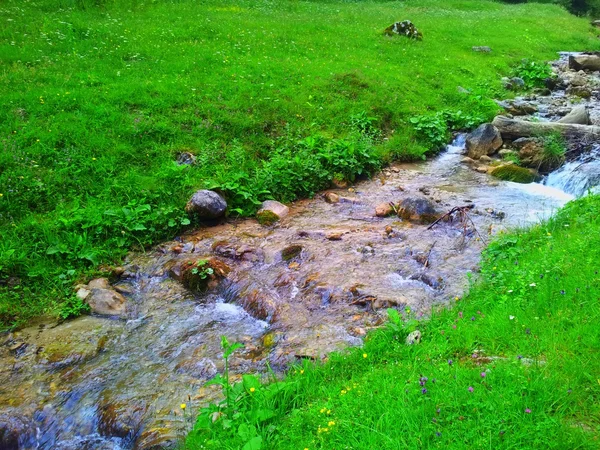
(291, 252)
(199, 275)
(266, 217)
(512, 172)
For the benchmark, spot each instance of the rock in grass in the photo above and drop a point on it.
(404, 28)
(271, 212)
(484, 140)
(482, 49)
(512, 172)
(206, 205)
(579, 115)
(413, 338)
(513, 84)
(585, 61)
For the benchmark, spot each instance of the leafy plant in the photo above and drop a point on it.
(554, 151)
(533, 73)
(203, 271)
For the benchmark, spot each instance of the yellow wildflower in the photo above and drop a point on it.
(365, 355)
(252, 389)
(343, 392)
(183, 406)
(330, 423)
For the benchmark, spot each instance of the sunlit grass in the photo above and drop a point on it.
(97, 101)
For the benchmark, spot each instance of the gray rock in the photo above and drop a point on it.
(482, 49)
(206, 205)
(513, 84)
(186, 158)
(413, 338)
(596, 23)
(484, 140)
(485, 159)
(579, 115)
(106, 302)
(271, 211)
(518, 107)
(585, 61)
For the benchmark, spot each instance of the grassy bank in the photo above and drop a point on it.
(515, 364)
(275, 99)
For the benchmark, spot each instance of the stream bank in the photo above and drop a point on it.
(313, 283)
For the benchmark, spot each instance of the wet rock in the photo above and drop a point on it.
(512, 172)
(186, 158)
(291, 252)
(413, 338)
(482, 49)
(585, 62)
(518, 108)
(579, 115)
(482, 169)
(467, 160)
(579, 91)
(331, 197)
(271, 212)
(532, 154)
(16, 431)
(121, 419)
(384, 210)
(259, 305)
(485, 140)
(102, 298)
(206, 205)
(199, 274)
(404, 28)
(485, 159)
(203, 369)
(418, 210)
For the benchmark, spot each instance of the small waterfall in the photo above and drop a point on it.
(579, 176)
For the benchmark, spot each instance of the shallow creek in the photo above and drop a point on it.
(102, 383)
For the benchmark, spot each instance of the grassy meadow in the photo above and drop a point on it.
(514, 365)
(274, 99)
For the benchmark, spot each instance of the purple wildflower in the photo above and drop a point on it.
(483, 374)
(471, 389)
(473, 318)
(423, 391)
(460, 314)
(449, 362)
(527, 411)
(562, 292)
(519, 356)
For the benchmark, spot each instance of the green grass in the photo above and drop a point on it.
(514, 365)
(275, 99)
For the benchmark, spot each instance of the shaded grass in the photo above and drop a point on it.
(97, 98)
(515, 364)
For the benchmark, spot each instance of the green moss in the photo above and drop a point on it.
(267, 217)
(512, 172)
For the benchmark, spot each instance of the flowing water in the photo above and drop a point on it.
(102, 383)
(579, 176)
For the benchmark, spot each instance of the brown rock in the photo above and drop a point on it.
(331, 197)
(484, 140)
(334, 235)
(384, 210)
(106, 301)
(586, 61)
(199, 274)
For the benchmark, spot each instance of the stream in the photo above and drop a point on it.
(104, 383)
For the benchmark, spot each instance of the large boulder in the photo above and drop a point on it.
(579, 115)
(271, 211)
(418, 210)
(404, 28)
(206, 205)
(485, 140)
(585, 61)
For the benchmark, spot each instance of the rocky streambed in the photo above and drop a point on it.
(313, 282)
